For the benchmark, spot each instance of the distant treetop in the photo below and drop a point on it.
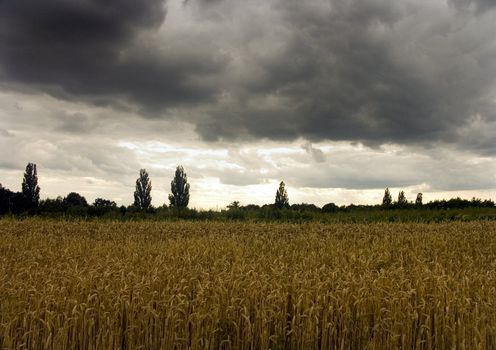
(282, 200)
(30, 188)
(179, 197)
(142, 194)
(387, 200)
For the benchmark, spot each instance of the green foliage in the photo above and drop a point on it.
(305, 207)
(233, 205)
(14, 203)
(235, 211)
(74, 199)
(179, 198)
(236, 214)
(142, 194)
(51, 207)
(103, 207)
(402, 201)
(330, 208)
(282, 200)
(387, 200)
(5, 200)
(104, 203)
(30, 188)
(458, 203)
(418, 200)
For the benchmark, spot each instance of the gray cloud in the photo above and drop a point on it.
(5, 133)
(9, 165)
(479, 6)
(75, 123)
(237, 177)
(99, 52)
(374, 72)
(316, 153)
(374, 169)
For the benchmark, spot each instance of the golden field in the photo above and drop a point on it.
(214, 285)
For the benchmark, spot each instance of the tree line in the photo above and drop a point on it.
(28, 201)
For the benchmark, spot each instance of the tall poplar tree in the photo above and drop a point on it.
(142, 194)
(418, 200)
(30, 188)
(402, 201)
(387, 200)
(179, 197)
(282, 200)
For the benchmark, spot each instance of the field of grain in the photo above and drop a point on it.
(186, 285)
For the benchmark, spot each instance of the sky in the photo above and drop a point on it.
(338, 98)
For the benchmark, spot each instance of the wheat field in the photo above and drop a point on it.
(195, 285)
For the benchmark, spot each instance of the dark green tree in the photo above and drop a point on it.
(305, 207)
(104, 203)
(102, 207)
(233, 205)
(418, 200)
(5, 200)
(51, 206)
(74, 199)
(30, 188)
(142, 194)
(387, 200)
(402, 199)
(282, 200)
(330, 208)
(75, 205)
(179, 197)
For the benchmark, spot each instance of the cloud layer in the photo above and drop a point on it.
(375, 72)
(100, 52)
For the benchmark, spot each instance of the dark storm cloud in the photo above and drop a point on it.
(376, 71)
(90, 22)
(478, 5)
(89, 49)
(370, 71)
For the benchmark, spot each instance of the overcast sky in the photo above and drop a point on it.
(338, 98)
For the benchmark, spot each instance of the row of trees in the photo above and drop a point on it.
(25, 200)
(28, 200)
(178, 198)
(387, 200)
(454, 203)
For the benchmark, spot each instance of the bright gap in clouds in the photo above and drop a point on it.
(251, 173)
